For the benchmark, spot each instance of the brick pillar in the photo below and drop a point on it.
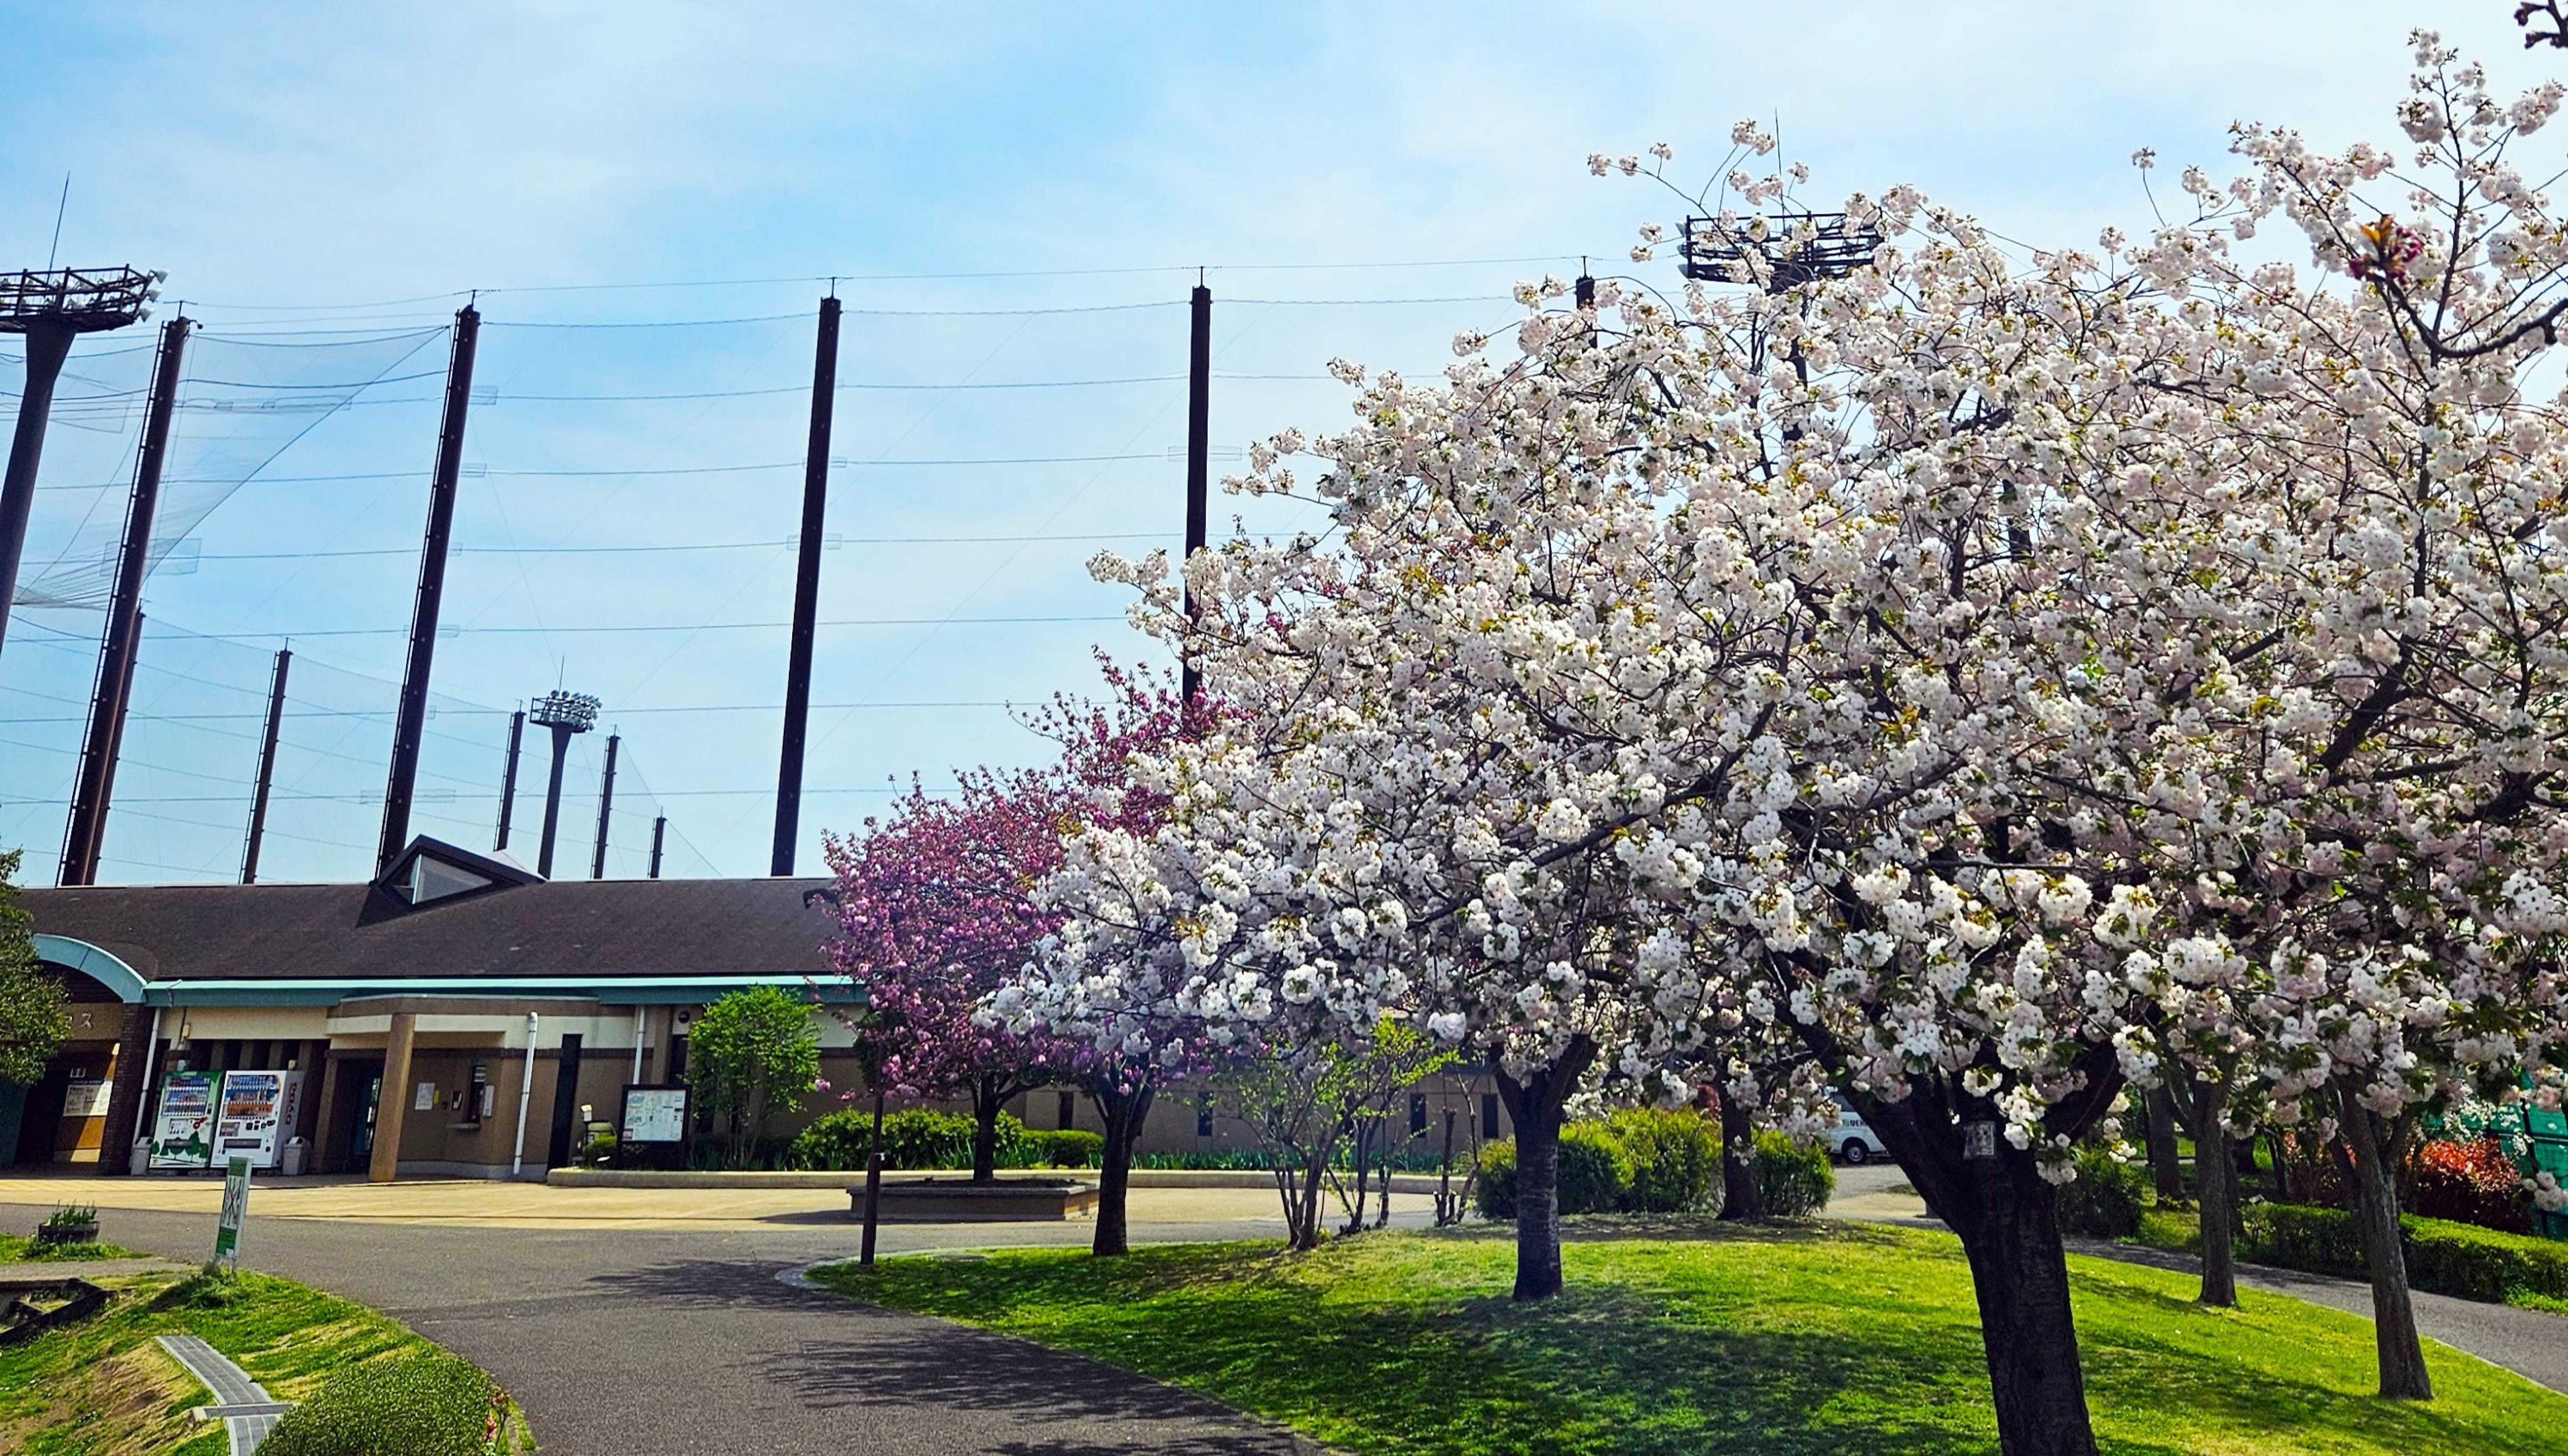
(124, 1093)
(394, 1106)
(325, 1105)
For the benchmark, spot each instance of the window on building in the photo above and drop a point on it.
(1069, 1110)
(431, 878)
(1416, 1113)
(1203, 1122)
(1490, 1114)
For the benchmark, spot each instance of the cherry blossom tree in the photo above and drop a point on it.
(936, 911)
(2003, 679)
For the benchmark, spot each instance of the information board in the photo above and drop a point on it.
(182, 1136)
(655, 1114)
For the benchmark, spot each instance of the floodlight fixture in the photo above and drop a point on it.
(76, 300)
(1778, 253)
(48, 309)
(565, 713)
(570, 712)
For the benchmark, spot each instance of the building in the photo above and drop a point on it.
(456, 1017)
(436, 981)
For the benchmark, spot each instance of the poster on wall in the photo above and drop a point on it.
(182, 1136)
(86, 1097)
(255, 1112)
(655, 1114)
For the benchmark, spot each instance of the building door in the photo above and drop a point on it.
(42, 1118)
(565, 1101)
(13, 1106)
(352, 1118)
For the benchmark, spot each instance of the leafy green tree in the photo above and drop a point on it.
(34, 1014)
(753, 1053)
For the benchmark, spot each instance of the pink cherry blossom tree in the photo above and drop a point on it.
(936, 910)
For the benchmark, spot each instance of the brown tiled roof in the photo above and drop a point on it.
(602, 928)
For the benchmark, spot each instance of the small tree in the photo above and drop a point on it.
(753, 1053)
(33, 1018)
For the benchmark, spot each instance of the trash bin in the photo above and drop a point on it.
(296, 1150)
(141, 1161)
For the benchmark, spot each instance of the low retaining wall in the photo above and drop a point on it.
(962, 1201)
(1141, 1178)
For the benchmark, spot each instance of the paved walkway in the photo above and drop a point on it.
(248, 1414)
(638, 1339)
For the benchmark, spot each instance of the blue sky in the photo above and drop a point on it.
(339, 175)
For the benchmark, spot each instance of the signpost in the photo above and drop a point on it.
(235, 1211)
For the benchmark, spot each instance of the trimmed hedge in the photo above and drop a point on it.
(1067, 1147)
(1676, 1158)
(1795, 1180)
(915, 1137)
(1595, 1173)
(2442, 1257)
(425, 1403)
(2107, 1198)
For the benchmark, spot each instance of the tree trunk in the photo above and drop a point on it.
(989, 1097)
(2218, 1178)
(2166, 1165)
(2282, 1179)
(2019, 1272)
(2007, 1218)
(874, 1183)
(1122, 1112)
(1741, 1196)
(1306, 1225)
(2394, 1315)
(1536, 1103)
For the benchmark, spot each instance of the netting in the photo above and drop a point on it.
(241, 405)
(626, 526)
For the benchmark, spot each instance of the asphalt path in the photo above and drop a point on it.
(635, 1342)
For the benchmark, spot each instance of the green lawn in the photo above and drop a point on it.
(22, 1249)
(102, 1387)
(1681, 1336)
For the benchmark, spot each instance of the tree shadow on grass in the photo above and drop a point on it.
(896, 1362)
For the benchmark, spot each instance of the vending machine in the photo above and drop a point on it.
(184, 1134)
(256, 1115)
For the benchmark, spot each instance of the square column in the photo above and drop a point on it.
(392, 1105)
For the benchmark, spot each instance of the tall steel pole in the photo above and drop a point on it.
(1198, 463)
(47, 346)
(659, 833)
(553, 801)
(90, 784)
(266, 766)
(509, 777)
(806, 592)
(605, 810)
(412, 723)
(115, 752)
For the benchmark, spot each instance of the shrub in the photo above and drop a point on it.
(2471, 1183)
(2443, 1258)
(2107, 1199)
(424, 1403)
(1067, 1147)
(599, 1151)
(915, 1137)
(1595, 1172)
(1493, 1192)
(1795, 1180)
(1676, 1158)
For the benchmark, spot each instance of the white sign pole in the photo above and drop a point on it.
(227, 1228)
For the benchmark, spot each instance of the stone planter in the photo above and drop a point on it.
(961, 1200)
(67, 1233)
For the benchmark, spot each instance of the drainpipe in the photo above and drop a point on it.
(525, 1093)
(638, 1014)
(143, 1132)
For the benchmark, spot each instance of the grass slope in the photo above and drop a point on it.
(1687, 1337)
(102, 1387)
